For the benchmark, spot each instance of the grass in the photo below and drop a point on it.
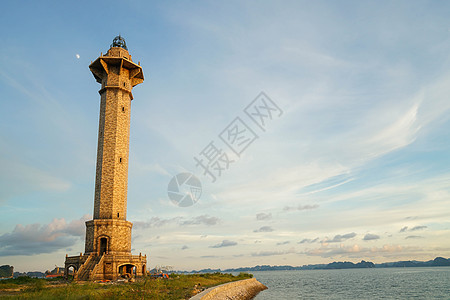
(178, 286)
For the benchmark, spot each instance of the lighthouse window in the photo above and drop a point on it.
(123, 108)
(117, 214)
(120, 159)
(124, 84)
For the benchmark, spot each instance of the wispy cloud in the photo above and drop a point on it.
(20, 178)
(309, 241)
(156, 222)
(264, 229)
(224, 243)
(157, 168)
(263, 216)
(399, 133)
(413, 237)
(353, 250)
(300, 207)
(202, 220)
(415, 228)
(370, 237)
(179, 221)
(283, 243)
(340, 238)
(273, 253)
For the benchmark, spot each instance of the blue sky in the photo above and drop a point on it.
(356, 167)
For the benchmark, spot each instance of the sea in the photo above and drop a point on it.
(372, 283)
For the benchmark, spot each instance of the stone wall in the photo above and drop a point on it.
(117, 233)
(110, 266)
(242, 290)
(117, 75)
(113, 143)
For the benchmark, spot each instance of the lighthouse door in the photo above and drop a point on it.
(103, 245)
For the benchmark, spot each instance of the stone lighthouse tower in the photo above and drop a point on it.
(108, 236)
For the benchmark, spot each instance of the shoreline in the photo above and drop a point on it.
(243, 289)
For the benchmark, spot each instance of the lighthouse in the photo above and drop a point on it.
(107, 252)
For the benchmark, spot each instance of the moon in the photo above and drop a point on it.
(77, 56)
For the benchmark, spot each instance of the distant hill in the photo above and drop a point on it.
(437, 262)
(350, 265)
(6, 271)
(333, 265)
(34, 274)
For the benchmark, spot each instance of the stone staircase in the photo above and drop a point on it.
(85, 271)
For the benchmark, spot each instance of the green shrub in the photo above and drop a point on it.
(178, 286)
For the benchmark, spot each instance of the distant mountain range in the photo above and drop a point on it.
(437, 262)
(6, 271)
(35, 274)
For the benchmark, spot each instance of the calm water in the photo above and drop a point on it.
(389, 283)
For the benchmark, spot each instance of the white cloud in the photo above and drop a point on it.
(36, 238)
(400, 133)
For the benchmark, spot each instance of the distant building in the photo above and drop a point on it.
(108, 236)
(56, 272)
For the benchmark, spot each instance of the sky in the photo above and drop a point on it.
(351, 162)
